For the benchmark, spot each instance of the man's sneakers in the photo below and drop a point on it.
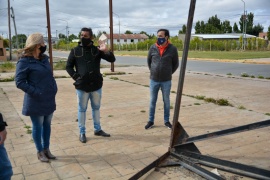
(168, 125)
(149, 125)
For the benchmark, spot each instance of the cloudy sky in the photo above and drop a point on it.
(136, 16)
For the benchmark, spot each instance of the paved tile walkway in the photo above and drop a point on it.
(124, 113)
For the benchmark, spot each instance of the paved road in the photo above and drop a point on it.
(194, 65)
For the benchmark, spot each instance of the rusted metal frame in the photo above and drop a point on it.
(225, 132)
(49, 33)
(175, 131)
(111, 30)
(191, 165)
(233, 167)
(150, 166)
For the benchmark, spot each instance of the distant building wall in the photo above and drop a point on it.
(263, 35)
(3, 56)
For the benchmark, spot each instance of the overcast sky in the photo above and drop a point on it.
(136, 16)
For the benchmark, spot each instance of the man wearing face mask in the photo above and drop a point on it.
(34, 77)
(83, 65)
(162, 62)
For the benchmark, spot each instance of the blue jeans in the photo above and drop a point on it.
(41, 131)
(95, 100)
(165, 89)
(5, 166)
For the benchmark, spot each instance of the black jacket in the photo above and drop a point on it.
(162, 67)
(83, 65)
(2, 123)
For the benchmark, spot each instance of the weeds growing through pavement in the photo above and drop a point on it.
(28, 129)
(241, 107)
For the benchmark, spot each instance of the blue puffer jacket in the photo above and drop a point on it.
(35, 78)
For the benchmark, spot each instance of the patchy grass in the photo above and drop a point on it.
(268, 114)
(28, 129)
(7, 79)
(143, 111)
(200, 97)
(114, 78)
(244, 75)
(7, 67)
(114, 73)
(228, 55)
(241, 107)
(220, 102)
(60, 65)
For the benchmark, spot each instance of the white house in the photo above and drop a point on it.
(124, 38)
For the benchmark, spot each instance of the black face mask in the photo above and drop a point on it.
(42, 49)
(86, 41)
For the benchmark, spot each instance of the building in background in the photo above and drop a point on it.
(124, 38)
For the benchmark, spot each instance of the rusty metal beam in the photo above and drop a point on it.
(49, 33)
(191, 165)
(225, 132)
(150, 166)
(177, 131)
(233, 167)
(111, 30)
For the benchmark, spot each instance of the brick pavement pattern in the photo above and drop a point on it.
(124, 113)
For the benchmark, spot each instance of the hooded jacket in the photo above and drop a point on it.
(83, 65)
(162, 67)
(35, 78)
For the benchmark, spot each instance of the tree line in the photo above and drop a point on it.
(215, 26)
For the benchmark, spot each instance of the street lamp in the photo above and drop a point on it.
(119, 31)
(66, 27)
(244, 26)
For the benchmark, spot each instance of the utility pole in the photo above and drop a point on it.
(67, 31)
(111, 31)
(119, 31)
(13, 17)
(243, 26)
(9, 29)
(245, 30)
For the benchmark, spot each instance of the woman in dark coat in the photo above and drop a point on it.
(34, 77)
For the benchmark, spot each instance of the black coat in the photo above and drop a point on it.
(83, 65)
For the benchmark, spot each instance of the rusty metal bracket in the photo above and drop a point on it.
(182, 146)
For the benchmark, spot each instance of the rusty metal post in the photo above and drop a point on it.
(49, 33)
(111, 31)
(177, 130)
(9, 30)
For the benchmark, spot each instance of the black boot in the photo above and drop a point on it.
(42, 157)
(48, 154)
(82, 138)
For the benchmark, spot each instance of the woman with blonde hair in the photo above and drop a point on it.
(34, 76)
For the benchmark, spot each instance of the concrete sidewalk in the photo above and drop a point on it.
(124, 113)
